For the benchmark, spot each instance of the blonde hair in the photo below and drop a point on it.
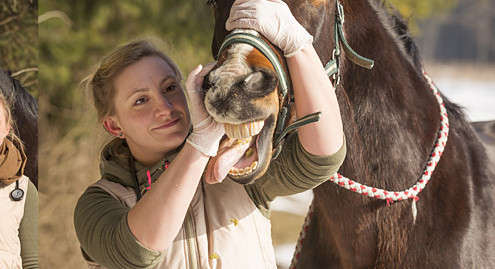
(99, 84)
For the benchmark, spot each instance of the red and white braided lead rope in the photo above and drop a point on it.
(391, 196)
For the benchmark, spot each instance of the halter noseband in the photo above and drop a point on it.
(265, 49)
(284, 86)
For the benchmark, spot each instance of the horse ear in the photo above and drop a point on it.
(113, 126)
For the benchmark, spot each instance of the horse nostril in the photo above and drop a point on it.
(253, 77)
(206, 84)
(259, 83)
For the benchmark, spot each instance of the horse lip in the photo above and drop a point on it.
(263, 144)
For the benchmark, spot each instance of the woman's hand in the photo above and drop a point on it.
(272, 19)
(207, 132)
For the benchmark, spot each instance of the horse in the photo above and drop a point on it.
(25, 114)
(486, 133)
(394, 122)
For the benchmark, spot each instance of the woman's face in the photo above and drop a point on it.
(4, 125)
(150, 109)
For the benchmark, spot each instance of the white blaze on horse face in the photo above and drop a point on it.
(224, 77)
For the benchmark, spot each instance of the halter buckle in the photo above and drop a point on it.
(340, 13)
(336, 76)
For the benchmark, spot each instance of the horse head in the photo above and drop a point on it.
(247, 92)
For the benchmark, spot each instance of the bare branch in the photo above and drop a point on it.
(25, 70)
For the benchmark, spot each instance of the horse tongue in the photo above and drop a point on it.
(220, 165)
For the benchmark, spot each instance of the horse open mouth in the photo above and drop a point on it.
(237, 155)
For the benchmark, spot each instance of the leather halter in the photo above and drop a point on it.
(265, 49)
(333, 66)
(287, 96)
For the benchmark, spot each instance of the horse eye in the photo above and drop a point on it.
(212, 3)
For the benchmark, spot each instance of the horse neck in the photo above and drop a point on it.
(390, 116)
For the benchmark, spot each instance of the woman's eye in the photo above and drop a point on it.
(170, 88)
(140, 101)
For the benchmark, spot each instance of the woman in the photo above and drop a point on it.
(18, 200)
(181, 221)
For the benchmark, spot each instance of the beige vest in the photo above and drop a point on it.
(11, 213)
(223, 229)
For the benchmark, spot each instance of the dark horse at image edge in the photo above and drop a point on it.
(25, 114)
(391, 120)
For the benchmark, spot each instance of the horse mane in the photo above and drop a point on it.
(16, 94)
(398, 27)
(402, 29)
(6, 87)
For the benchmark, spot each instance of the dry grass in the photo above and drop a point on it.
(285, 227)
(68, 166)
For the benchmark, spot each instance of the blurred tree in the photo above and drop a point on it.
(418, 10)
(19, 41)
(422, 9)
(466, 33)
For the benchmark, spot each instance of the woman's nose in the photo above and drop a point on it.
(163, 107)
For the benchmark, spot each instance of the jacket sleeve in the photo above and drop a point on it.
(294, 171)
(28, 230)
(101, 227)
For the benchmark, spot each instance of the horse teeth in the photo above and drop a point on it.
(243, 171)
(243, 131)
(254, 165)
(234, 171)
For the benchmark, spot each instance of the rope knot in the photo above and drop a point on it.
(414, 209)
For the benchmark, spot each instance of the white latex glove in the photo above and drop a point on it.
(206, 133)
(272, 19)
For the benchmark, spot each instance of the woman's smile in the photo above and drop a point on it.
(167, 124)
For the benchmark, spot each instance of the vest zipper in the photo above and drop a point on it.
(190, 240)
